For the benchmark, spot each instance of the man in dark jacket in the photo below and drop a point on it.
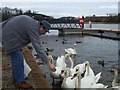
(17, 32)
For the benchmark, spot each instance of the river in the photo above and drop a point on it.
(90, 48)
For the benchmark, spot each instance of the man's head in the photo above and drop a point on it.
(44, 26)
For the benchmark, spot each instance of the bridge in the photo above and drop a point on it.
(75, 28)
(65, 25)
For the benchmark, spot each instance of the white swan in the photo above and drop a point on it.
(71, 50)
(60, 65)
(90, 72)
(58, 69)
(68, 81)
(56, 74)
(87, 82)
(81, 67)
(60, 62)
(116, 81)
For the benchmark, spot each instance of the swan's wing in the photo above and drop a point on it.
(60, 62)
(70, 50)
(70, 82)
(91, 73)
(97, 77)
(87, 81)
(98, 85)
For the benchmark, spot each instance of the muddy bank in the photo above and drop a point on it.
(36, 77)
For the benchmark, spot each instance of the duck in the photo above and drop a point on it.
(101, 62)
(49, 50)
(78, 42)
(116, 80)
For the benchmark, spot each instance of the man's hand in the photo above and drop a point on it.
(51, 66)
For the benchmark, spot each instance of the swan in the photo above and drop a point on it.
(70, 72)
(84, 82)
(68, 81)
(60, 62)
(27, 69)
(71, 61)
(89, 72)
(81, 67)
(71, 50)
(87, 82)
(56, 74)
(60, 65)
(116, 81)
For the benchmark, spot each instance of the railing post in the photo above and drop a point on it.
(61, 32)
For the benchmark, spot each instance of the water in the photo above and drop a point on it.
(90, 48)
(107, 26)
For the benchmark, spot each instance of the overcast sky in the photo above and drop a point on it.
(59, 8)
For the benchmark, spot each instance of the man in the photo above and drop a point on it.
(17, 32)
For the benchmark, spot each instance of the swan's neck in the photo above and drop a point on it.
(67, 74)
(88, 71)
(116, 78)
(116, 75)
(79, 79)
(51, 59)
(64, 82)
(72, 64)
(67, 55)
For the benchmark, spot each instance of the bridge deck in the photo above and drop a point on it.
(100, 32)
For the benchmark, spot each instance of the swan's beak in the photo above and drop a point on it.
(75, 75)
(62, 71)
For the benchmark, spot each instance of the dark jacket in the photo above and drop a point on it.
(20, 31)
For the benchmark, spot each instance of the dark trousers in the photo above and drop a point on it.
(17, 66)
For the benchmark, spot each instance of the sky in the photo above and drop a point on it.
(61, 8)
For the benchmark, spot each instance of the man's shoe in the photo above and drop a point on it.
(23, 85)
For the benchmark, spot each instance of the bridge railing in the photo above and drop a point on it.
(65, 25)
